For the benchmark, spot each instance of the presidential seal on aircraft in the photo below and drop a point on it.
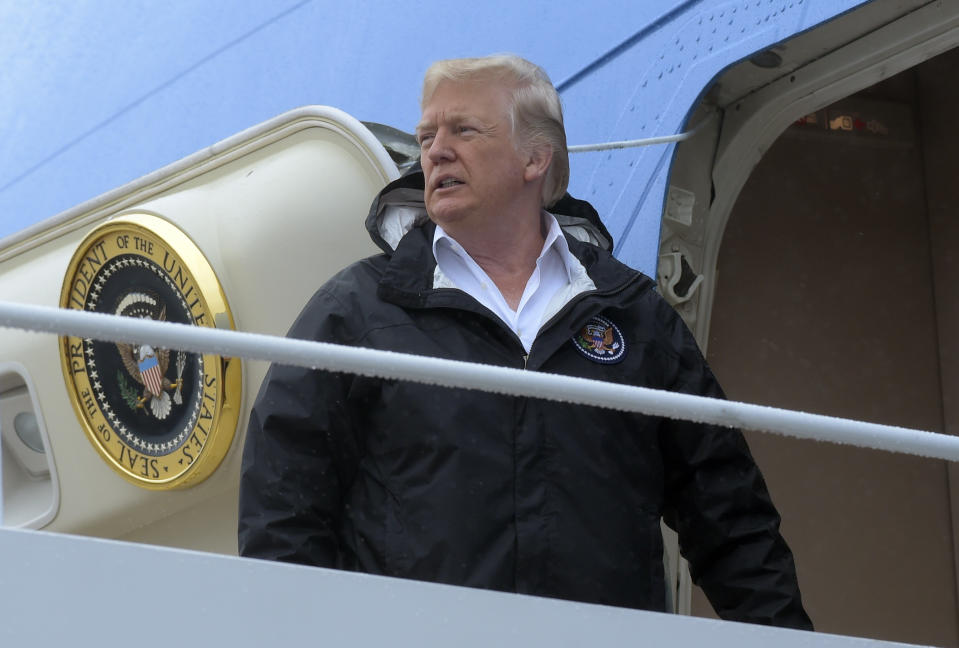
(162, 418)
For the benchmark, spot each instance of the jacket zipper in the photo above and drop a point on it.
(480, 309)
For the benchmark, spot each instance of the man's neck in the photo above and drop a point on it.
(506, 254)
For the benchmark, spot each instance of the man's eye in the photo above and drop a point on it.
(425, 139)
(465, 129)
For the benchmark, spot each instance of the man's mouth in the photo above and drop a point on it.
(448, 182)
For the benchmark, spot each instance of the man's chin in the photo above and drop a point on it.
(445, 215)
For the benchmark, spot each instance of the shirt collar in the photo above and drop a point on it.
(555, 240)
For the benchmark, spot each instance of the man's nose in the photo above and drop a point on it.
(441, 147)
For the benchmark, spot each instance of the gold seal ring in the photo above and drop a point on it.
(162, 418)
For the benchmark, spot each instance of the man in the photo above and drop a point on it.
(508, 493)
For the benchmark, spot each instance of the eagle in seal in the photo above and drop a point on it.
(146, 365)
(601, 338)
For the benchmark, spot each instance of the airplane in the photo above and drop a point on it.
(809, 189)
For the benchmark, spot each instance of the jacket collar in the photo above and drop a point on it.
(408, 277)
(399, 208)
(399, 225)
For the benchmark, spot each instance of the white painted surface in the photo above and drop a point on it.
(276, 210)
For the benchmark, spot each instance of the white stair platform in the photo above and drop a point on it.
(59, 590)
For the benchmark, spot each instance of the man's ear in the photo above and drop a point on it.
(537, 164)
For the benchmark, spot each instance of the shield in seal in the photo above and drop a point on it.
(162, 418)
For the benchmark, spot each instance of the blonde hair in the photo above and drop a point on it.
(535, 112)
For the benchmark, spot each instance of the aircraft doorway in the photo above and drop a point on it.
(836, 294)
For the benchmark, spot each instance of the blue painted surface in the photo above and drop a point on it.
(98, 93)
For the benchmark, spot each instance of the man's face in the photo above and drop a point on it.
(473, 170)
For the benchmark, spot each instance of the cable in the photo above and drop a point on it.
(649, 141)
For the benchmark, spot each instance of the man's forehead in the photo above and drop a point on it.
(467, 103)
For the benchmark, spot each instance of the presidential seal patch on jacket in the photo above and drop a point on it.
(600, 341)
(162, 418)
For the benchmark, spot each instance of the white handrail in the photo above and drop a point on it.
(454, 373)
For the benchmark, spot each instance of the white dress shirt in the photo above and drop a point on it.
(558, 276)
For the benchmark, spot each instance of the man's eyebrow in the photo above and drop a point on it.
(456, 117)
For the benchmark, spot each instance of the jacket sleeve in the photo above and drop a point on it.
(717, 501)
(298, 456)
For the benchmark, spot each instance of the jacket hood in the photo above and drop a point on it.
(400, 207)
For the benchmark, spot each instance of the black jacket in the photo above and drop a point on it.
(508, 493)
